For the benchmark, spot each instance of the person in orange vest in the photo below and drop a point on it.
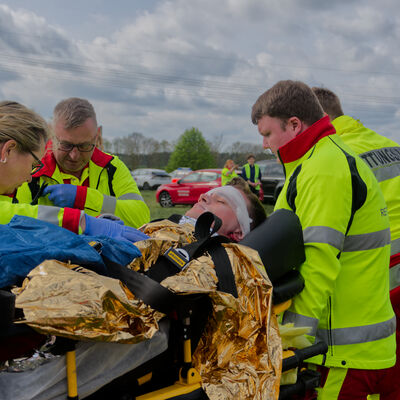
(252, 174)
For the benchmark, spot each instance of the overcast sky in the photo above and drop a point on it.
(160, 67)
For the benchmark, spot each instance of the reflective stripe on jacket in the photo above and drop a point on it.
(68, 218)
(347, 243)
(382, 155)
(256, 173)
(111, 189)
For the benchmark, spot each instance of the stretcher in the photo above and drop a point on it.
(170, 375)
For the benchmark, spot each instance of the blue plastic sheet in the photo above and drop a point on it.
(26, 242)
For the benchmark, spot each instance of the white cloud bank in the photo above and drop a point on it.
(203, 63)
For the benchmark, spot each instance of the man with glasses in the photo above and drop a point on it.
(76, 174)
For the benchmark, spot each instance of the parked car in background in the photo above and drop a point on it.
(150, 178)
(188, 189)
(272, 179)
(179, 173)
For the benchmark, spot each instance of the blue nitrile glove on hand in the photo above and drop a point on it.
(111, 217)
(62, 195)
(109, 228)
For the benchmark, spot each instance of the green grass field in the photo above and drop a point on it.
(156, 211)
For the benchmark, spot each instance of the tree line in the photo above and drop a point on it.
(190, 150)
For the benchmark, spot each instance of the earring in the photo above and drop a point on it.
(4, 161)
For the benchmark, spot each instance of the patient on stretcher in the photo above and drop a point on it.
(239, 353)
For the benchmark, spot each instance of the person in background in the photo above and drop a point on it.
(78, 175)
(382, 155)
(346, 232)
(23, 135)
(252, 174)
(228, 172)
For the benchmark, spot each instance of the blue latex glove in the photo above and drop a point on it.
(112, 217)
(109, 228)
(62, 195)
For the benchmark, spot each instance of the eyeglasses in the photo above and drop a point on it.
(38, 165)
(82, 147)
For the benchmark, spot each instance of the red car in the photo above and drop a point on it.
(189, 188)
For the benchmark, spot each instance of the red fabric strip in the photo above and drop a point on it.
(71, 219)
(305, 140)
(80, 198)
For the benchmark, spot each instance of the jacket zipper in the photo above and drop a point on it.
(330, 341)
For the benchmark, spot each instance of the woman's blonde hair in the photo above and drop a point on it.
(23, 125)
(228, 161)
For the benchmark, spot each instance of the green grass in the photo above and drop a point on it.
(156, 211)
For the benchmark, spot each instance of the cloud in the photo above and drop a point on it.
(204, 63)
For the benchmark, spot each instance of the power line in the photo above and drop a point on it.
(111, 76)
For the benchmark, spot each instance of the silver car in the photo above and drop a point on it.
(150, 178)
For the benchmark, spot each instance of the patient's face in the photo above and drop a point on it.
(220, 207)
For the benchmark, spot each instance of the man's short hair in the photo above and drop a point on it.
(250, 156)
(256, 211)
(329, 101)
(288, 99)
(73, 112)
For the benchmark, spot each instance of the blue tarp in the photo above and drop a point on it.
(26, 242)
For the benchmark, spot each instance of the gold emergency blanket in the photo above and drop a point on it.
(71, 301)
(239, 355)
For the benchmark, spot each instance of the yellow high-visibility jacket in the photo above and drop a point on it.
(246, 168)
(226, 176)
(382, 155)
(347, 244)
(106, 186)
(67, 218)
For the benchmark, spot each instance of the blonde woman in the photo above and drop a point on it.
(228, 172)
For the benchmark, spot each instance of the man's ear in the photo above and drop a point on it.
(236, 236)
(295, 125)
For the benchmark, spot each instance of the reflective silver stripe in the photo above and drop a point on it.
(301, 320)
(48, 214)
(367, 241)
(395, 247)
(358, 334)
(109, 204)
(394, 277)
(131, 196)
(384, 162)
(324, 234)
(387, 172)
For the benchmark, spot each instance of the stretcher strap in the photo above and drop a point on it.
(223, 269)
(144, 288)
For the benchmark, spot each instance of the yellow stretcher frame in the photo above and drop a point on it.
(189, 378)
